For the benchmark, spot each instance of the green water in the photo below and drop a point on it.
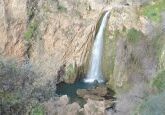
(71, 89)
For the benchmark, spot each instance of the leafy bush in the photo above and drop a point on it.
(153, 11)
(62, 8)
(133, 35)
(159, 81)
(18, 94)
(38, 110)
(31, 30)
(15, 87)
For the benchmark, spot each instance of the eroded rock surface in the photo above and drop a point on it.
(48, 34)
(60, 106)
(100, 94)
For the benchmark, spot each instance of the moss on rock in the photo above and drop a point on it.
(31, 30)
(71, 73)
(109, 54)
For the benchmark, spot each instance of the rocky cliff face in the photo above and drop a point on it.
(13, 22)
(47, 34)
(134, 53)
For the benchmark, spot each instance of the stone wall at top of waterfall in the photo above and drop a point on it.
(95, 70)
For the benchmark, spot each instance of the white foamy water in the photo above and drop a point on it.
(95, 70)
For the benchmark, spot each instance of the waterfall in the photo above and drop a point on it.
(95, 70)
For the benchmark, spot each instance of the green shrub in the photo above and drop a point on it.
(38, 110)
(153, 11)
(159, 81)
(62, 8)
(15, 87)
(31, 30)
(155, 105)
(133, 35)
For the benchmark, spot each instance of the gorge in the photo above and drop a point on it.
(67, 57)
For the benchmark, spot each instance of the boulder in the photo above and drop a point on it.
(61, 106)
(99, 94)
(93, 97)
(98, 91)
(94, 107)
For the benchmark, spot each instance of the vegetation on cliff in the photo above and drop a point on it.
(153, 105)
(153, 102)
(31, 30)
(133, 35)
(62, 31)
(159, 81)
(18, 94)
(153, 10)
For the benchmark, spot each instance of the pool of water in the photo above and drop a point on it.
(71, 89)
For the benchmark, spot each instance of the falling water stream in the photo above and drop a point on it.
(95, 70)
